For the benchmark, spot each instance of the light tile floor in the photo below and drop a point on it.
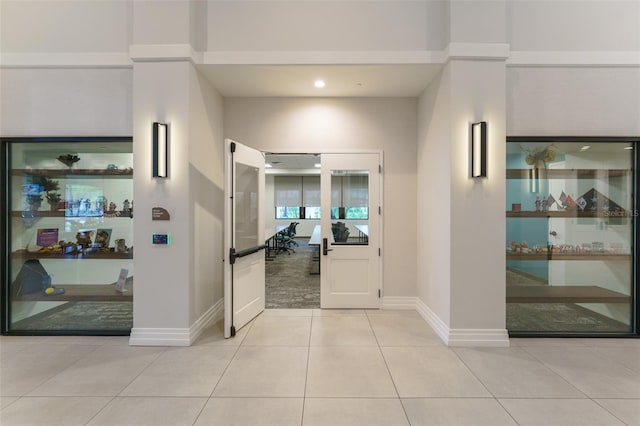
(313, 367)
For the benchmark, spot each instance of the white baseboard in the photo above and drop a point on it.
(462, 337)
(176, 336)
(404, 303)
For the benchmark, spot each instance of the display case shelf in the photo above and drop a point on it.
(62, 213)
(75, 173)
(567, 256)
(566, 173)
(564, 294)
(83, 293)
(568, 214)
(87, 256)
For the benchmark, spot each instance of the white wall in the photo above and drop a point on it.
(315, 124)
(573, 101)
(65, 102)
(326, 25)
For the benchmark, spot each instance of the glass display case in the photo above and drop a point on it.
(68, 221)
(570, 232)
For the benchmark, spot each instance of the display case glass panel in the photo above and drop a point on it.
(570, 233)
(69, 226)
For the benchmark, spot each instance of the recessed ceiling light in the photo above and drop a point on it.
(584, 148)
(319, 84)
(317, 165)
(628, 147)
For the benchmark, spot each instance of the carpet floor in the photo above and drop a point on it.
(289, 281)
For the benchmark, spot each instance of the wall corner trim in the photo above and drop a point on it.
(462, 337)
(177, 336)
(480, 51)
(164, 53)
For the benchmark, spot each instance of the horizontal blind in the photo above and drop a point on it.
(288, 191)
(336, 191)
(355, 191)
(311, 191)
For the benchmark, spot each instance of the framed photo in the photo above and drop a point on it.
(103, 237)
(47, 236)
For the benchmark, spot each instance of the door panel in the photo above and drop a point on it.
(351, 265)
(244, 236)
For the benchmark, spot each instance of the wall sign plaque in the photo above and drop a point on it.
(159, 213)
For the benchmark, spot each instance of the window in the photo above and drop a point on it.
(351, 194)
(294, 192)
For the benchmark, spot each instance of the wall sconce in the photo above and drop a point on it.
(160, 150)
(479, 149)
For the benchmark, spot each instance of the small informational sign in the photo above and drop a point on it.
(122, 280)
(160, 239)
(159, 213)
(47, 237)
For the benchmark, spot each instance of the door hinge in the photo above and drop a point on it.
(379, 293)
(379, 210)
(233, 147)
(233, 330)
(379, 251)
(380, 168)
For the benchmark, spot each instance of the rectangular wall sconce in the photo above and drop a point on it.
(160, 150)
(479, 149)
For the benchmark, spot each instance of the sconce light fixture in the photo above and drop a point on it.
(160, 150)
(479, 149)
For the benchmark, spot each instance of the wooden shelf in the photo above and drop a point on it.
(567, 256)
(83, 173)
(567, 214)
(567, 173)
(83, 293)
(564, 294)
(62, 213)
(90, 255)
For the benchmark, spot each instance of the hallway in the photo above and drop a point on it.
(314, 367)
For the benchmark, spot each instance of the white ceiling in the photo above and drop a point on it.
(341, 80)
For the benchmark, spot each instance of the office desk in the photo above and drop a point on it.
(270, 238)
(363, 233)
(316, 240)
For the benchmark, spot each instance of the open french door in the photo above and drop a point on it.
(244, 236)
(351, 246)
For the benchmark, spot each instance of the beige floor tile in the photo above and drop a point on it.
(456, 412)
(337, 312)
(420, 372)
(627, 356)
(627, 410)
(514, 373)
(140, 411)
(52, 411)
(251, 412)
(597, 377)
(348, 371)
(214, 335)
(105, 372)
(353, 412)
(558, 412)
(183, 372)
(23, 370)
(342, 331)
(287, 313)
(403, 330)
(279, 331)
(271, 371)
(7, 400)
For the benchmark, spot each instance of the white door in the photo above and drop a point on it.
(351, 243)
(243, 236)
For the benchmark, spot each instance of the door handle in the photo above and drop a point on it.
(325, 247)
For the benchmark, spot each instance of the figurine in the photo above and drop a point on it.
(83, 238)
(112, 207)
(545, 205)
(126, 209)
(537, 204)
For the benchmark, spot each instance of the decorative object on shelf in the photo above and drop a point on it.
(160, 148)
(54, 198)
(103, 236)
(566, 202)
(479, 149)
(121, 246)
(122, 279)
(550, 201)
(83, 238)
(516, 207)
(592, 200)
(112, 167)
(68, 160)
(46, 236)
(537, 204)
(540, 156)
(34, 201)
(126, 208)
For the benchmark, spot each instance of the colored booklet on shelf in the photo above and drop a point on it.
(122, 280)
(47, 236)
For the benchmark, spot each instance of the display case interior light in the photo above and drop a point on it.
(160, 150)
(479, 149)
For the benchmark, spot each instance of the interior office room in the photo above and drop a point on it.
(506, 297)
